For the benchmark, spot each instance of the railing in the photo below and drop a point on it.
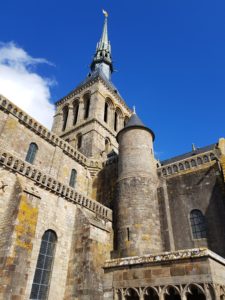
(45, 181)
(188, 163)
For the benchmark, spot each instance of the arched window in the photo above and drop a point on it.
(31, 153)
(79, 141)
(65, 117)
(106, 112)
(151, 294)
(86, 106)
(131, 294)
(172, 294)
(115, 121)
(198, 224)
(75, 111)
(73, 177)
(195, 293)
(41, 282)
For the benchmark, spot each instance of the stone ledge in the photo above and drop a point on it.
(42, 179)
(188, 164)
(163, 257)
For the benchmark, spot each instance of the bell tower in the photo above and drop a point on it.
(90, 117)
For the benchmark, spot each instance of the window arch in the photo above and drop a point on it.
(65, 117)
(75, 111)
(41, 281)
(198, 224)
(131, 294)
(73, 177)
(86, 105)
(195, 293)
(172, 293)
(31, 153)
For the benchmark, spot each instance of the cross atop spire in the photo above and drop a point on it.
(102, 58)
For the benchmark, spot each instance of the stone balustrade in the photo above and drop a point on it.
(17, 165)
(188, 163)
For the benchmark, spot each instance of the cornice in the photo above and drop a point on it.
(45, 181)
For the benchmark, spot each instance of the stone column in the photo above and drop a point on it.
(70, 117)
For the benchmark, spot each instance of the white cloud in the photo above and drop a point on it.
(22, 85)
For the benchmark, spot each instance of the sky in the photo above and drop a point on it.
(169, 58)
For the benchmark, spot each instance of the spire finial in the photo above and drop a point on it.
(193, 147)
(105, 13)
(134, 110)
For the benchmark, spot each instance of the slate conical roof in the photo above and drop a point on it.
(135, 122)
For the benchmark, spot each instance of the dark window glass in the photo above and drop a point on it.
(75, 112)
(65, 117)
(79, 141)
(73, 176)
(31, 153)
(86, 106)
(106, 112)
(41, 282)
(115, 121)
(198, 224)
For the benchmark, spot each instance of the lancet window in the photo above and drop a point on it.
(41, 281)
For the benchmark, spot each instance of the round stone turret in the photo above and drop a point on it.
(137, 212)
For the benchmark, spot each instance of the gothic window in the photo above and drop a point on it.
(115, 121)
(73, 176)
(106, 112)
(65, 117)
(212, 156)
(198, 224)
(75, 112)
(41, 281)
(79, 141)
(31, 153)
(86, 106)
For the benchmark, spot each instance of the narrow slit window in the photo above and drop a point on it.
(106, 112)
(115, 121)
(86, 106)
(42, 276)
(75, 113)
(79, 141)
(65, 117)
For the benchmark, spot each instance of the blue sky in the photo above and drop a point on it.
(169, 57)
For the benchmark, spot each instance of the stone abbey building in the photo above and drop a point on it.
(87, 212)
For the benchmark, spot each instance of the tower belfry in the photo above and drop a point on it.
(102, 59)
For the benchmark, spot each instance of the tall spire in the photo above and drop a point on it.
(102, 59)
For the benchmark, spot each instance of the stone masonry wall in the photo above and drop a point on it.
(201, 189)
(90, 248)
